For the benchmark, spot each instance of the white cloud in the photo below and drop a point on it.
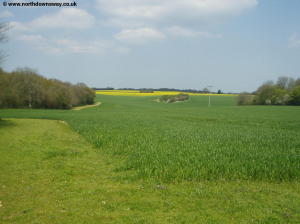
(122, 50)
(51, 50)
(70, 18)
(86, 47)
(294, 41)
(40, 43)
(135, 17)
(185, 32)
(70, 46)
(132, 16)
(38, 34)
(66, 18)
(6, 14)
(180, 10)
(121, 23)
(140, 35)
(31, 38)
(18, 27)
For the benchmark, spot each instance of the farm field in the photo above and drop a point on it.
(134, 160)
(154, 93)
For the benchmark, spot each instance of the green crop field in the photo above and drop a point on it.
(249, 155)
(190, 141)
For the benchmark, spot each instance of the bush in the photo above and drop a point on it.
(174, 98)
(245, 99)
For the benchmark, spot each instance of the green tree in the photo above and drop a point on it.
(279, 96)
(264, 93)
(295, 96)
(297, 82)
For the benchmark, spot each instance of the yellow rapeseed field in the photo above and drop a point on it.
(155, 93)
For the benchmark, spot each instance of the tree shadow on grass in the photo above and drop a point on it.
(6, 123)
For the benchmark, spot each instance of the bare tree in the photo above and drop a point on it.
(283, 82)
(3, 29)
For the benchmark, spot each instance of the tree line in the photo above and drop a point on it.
(286, 91)
(25, 88)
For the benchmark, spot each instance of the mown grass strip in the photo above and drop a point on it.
(87, 106)
(51, 175)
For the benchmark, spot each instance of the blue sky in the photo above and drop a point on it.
(233, 45)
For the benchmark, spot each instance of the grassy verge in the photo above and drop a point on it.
(86, 106)
(50, 174)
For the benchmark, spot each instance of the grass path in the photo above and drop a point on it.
(50, 174)
(87, 106)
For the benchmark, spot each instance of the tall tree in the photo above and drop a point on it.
(283, 82)
(3, 37)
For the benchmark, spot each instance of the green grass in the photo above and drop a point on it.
(52, 175)
(189, 141)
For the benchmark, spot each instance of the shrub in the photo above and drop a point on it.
(245, 99)
(174, 98)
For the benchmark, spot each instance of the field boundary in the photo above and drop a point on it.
(87, 106)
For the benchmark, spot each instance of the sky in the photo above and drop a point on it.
(232, 45)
